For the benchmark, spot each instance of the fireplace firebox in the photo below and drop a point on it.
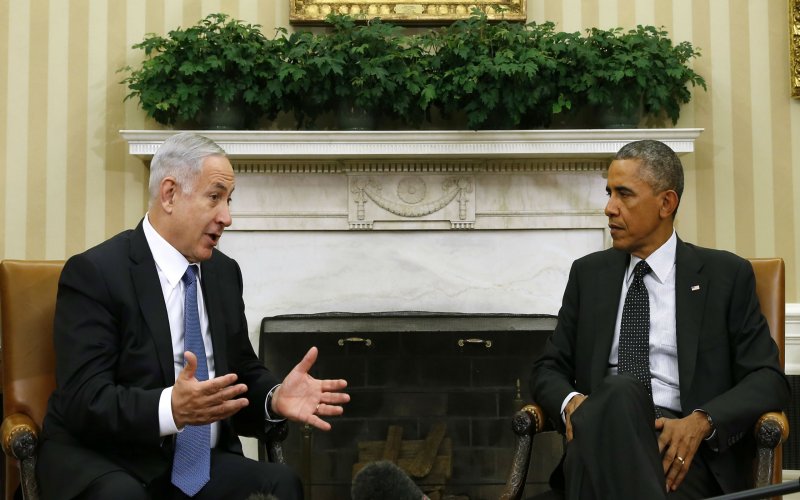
(414, 370)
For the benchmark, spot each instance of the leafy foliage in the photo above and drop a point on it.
(219, 60)
(370, 66)
(614, 67)
(502, 74)
(499, 74)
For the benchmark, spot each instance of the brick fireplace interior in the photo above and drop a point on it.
(414, 370)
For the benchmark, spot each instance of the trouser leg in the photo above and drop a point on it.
(614, 453)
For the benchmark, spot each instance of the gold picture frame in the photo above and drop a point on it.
(794, 46)
(406, 12)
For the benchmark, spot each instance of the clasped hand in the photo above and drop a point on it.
(300, 396)
(678, 443)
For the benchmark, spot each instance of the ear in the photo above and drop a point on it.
(669, 204)
(168, 189)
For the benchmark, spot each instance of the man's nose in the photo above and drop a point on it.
(611, 207)
(224, 216)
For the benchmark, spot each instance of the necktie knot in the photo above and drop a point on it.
(641, 269)
(190, 276)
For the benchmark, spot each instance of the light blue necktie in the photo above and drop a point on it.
(192, 462)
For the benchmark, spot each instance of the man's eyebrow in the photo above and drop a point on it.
(623, 188)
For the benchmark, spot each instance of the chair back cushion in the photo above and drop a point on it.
(770, 288)
(27, 304)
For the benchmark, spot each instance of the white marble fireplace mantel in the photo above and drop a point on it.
(419, 180)
(430, 144)
(451, 221)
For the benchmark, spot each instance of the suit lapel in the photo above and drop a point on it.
(151, 301)
(216, 317)
(609, 287)
(691, 289)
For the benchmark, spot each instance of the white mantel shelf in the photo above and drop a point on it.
(427, 144)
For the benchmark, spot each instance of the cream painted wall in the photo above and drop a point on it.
(66, 181)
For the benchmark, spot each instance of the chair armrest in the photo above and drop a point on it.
(274, 434)
(525, 423)
(771, 430)
(20, 436)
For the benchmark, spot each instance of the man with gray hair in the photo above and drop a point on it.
(156, 375)
(661, 360)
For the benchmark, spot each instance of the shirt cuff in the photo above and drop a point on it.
(166, 422)
(267, 404)
(565, 403)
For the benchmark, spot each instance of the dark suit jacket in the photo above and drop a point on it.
(114, 357)
(727, 362)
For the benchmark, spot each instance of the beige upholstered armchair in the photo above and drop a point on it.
(771, 430)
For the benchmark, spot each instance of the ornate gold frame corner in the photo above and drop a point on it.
(406, 12)
(794, 46)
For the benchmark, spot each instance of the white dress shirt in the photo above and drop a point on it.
(171, 266)
(660, 283)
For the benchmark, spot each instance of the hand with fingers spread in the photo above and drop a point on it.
(303, 398)
(196, 402)
(678, 443)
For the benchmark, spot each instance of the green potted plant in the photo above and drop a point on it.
(216, 74)
(499, 74)
(358, 70)
(626, 73)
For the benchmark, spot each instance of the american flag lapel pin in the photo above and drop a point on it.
(695, 288)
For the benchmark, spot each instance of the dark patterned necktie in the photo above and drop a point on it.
(192, 462)
(634, 333)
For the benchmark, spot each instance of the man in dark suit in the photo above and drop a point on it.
(132, 396)
(677, 421)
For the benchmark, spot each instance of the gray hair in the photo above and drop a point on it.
(660, 166)
(181, 156)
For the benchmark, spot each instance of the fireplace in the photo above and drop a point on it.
(415, 370)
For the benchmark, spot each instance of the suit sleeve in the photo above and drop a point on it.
(91, 403)
(759, 384)
(553, 375)
(251, 371)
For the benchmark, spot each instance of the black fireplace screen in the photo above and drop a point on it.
(410, 375)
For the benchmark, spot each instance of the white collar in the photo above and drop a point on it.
(168, 259)
(662, 261)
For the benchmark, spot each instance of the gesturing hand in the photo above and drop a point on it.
(303, 398)
(199, 403)
(678, 444)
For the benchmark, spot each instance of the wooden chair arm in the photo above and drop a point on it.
(771, 430)
(270, 439)
(274, 434)
(525, 423)
(20, 436)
